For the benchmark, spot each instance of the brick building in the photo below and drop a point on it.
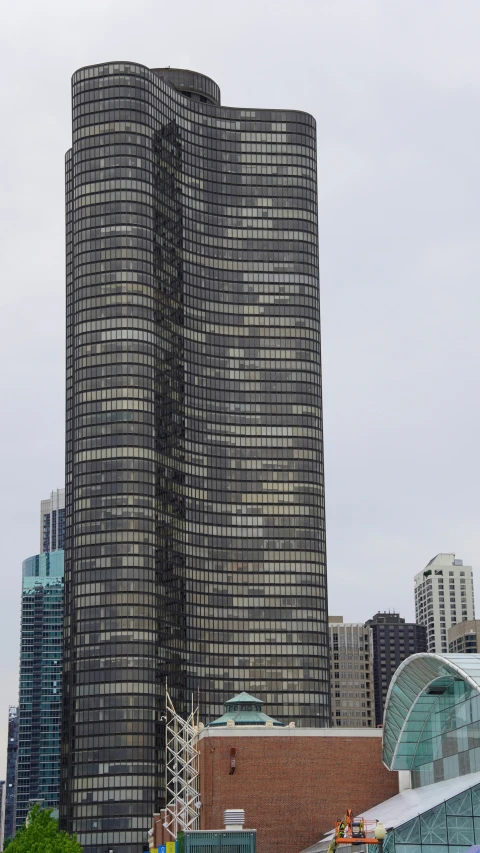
(292, 782)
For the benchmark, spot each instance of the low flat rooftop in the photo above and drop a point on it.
(286, 731)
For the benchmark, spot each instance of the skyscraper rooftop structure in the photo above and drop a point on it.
(195, 531)
(443, 597)
(52, 522)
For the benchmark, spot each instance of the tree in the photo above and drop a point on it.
(42, 835)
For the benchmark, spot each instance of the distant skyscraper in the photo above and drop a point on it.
(8, 813)
(2, 810)
(464, 638)
(393, 640)
(351, 677)
(443, 597)
(195, 527)
(40, 683)
(52, 522)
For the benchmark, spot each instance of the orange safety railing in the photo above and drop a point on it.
(355, 830)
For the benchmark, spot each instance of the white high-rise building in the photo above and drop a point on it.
(443, 597)
(52, 522)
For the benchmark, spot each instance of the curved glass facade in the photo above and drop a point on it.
(195, 536)
(432, 718)
(451, 827)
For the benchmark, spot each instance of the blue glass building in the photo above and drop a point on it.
(40, 683)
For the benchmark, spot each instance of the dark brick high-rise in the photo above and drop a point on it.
(393, 641)
(195, 535)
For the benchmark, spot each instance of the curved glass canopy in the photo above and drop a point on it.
(432, 711)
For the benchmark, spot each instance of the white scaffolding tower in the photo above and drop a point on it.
(181, 770)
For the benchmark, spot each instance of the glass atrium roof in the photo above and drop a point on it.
(414, 692)
(404, 808)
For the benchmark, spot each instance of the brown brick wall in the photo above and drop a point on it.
(292, 788)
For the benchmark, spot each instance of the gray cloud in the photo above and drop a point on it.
(394, 87)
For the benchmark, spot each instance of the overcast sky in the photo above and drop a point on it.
(394, 86)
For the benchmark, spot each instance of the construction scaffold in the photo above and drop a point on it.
(181, 769)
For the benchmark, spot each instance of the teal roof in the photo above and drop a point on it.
(244, 698)
(412, 696)
(244, 710)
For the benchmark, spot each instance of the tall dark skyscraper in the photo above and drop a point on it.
(393, 641)
(195, 534)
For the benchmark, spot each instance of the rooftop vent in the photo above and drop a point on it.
(234, 819)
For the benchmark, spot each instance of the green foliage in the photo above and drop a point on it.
(181, 842)
(42, 836)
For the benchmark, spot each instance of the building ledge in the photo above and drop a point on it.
(262, 731)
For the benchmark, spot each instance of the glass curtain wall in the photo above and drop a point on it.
(452, 827)
(195, 535)
(432, 718)
(39, 713)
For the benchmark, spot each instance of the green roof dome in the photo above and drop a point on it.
(244, 710)
(244, 698)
